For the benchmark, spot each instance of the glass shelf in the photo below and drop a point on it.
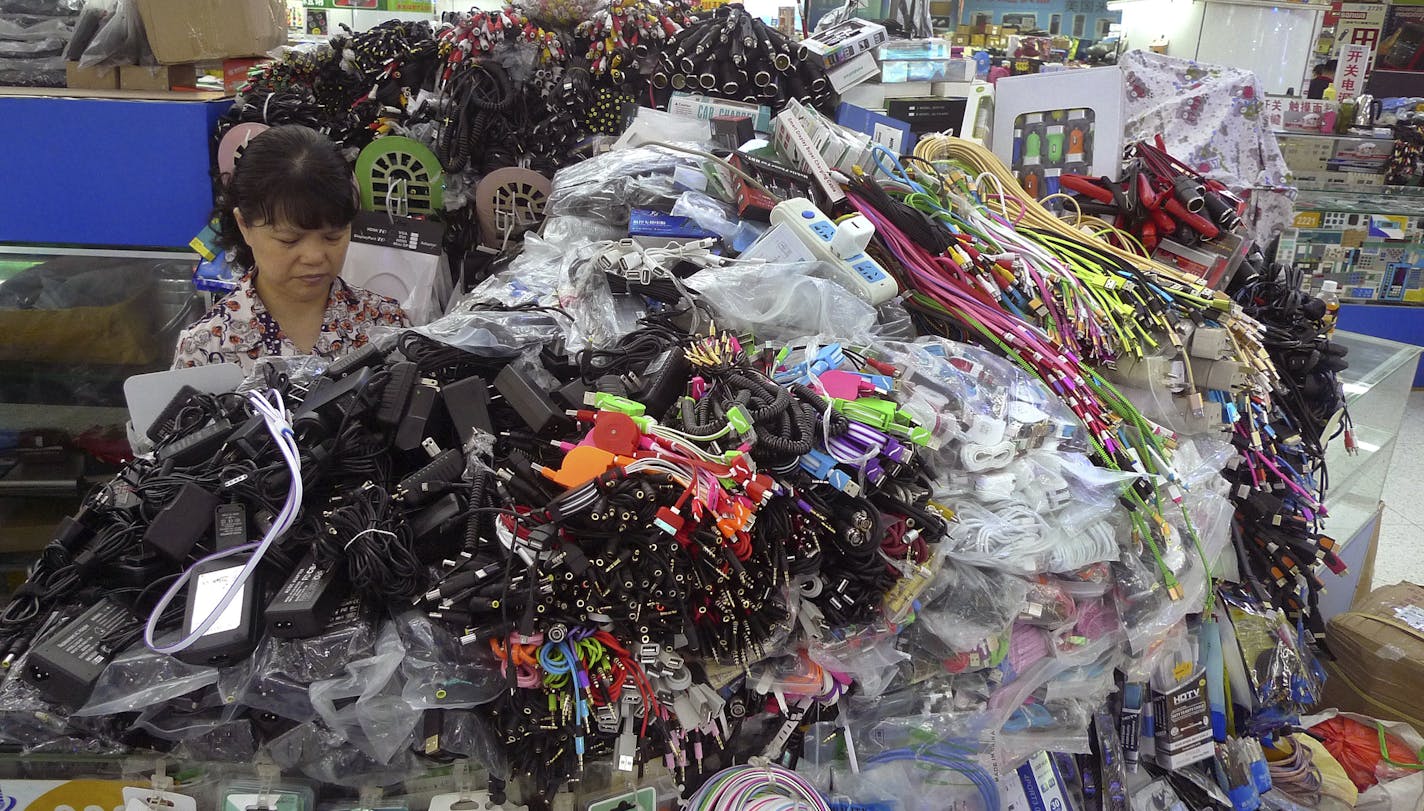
(1405, 200)
(1332, 135)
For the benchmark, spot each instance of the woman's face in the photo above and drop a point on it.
(296, 264)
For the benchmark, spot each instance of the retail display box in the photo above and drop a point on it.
(843, 42)
(207, 30)
(1049, 123)
(1379, 655)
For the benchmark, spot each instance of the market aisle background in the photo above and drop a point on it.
(1402, 530)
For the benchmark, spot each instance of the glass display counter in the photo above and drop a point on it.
(1376, 388)
(74, 324)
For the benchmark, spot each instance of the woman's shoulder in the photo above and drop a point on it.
(364, 305)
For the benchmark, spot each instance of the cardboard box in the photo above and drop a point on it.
(207, 30)
(157, 77)
(1379, 650)
(235, 72)
(102, 78)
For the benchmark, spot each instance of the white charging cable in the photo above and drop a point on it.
(275, 415)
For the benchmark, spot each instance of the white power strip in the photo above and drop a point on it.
(858, 272)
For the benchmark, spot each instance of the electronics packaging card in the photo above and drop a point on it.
(841, 43)
(706, 109)
(1183, 724)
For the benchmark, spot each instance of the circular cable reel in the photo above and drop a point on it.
(233, 142)
(509, 202)
(401, 176)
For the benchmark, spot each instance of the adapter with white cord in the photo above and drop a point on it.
(857, 271)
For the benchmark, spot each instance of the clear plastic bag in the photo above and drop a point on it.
(782, 302)
(606, 186)
(277, 678)
(188, 717)
(121, 40)
(549, 292)
(719, 218)
(379, 722)
(972, 605)
(440, 672)
(140, 678)
(870, 657)
(983, 411)
(324, 755)
(26, 719)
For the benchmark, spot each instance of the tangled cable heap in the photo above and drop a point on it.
(642, 506)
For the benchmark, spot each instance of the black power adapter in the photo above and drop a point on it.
(467, 403)
(419, 487)
(304, 605)
(233, 635)
(529, 400)
(412, 429)
(65, 664)
(178, 526)
(197, 446)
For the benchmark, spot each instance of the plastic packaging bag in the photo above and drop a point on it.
(870, 657)
(1355, 741)
(141, 678)
(379, 722)
(121, 41)
(324, 755)
(606, 186)
(440, 672)
(782, 302)
(277, 678)
(973, 605)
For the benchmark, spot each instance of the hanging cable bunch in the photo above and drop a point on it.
(1281, 436)
(476, 103)
(480, 33)
(624, 36)
(732, 54)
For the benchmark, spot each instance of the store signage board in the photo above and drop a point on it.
(1295, 114)
(1360, 24)
(1350, 73)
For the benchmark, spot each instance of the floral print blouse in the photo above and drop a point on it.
(238, 329)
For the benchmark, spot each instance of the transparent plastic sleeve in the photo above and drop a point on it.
(781, 302)
(279, 675)
(870, 657)
(983, 411)
(120, 41)
(440, 672)
(606, 186)
(973, 604)
(379, 722)
(326, 756)
(140, 678)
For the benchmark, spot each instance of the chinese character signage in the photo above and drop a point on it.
(1294, 114)
(1350, 71)
(1360, 24)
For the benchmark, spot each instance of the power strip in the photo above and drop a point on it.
(858, 272)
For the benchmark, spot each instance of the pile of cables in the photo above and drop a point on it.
(1281, 482)
(730, 53)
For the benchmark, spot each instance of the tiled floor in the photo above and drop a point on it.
(1401, 546)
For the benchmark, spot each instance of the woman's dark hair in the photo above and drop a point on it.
(292, 175)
